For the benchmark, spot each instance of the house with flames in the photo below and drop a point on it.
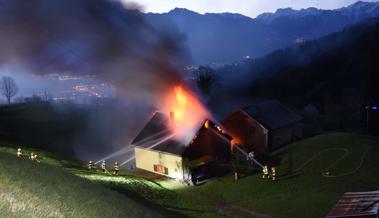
(263, 127)
(157, 150)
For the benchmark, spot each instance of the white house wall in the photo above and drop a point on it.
(146, 159)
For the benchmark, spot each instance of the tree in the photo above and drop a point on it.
(8, 87)
(206, 79)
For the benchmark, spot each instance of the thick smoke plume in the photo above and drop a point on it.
(89, 36)
(100, 37)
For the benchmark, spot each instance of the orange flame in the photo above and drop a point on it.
(179, 108)
(186, 110)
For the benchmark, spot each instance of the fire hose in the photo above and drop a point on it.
(108, 172)
(105, 170)
(250, 157)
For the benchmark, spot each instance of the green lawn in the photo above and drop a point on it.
(30, 189)
(301, 190)
(313, 174)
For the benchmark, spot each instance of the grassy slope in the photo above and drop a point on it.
(301, 190)
(298, 193)
(29, 189)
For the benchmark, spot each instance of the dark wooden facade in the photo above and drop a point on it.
(246, 131)
(209, 142)
(264, 127)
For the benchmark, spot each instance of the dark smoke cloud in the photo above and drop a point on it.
(90, 36)
(98, 37)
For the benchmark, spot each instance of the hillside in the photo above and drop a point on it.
(245, 36)
(30, 189)
(338, 70)
(313, 174)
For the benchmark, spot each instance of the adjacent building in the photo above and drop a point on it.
(264, 127)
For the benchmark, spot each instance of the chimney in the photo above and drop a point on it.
(172, 119)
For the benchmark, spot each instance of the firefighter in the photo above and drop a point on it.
(250, 158)
(31, 156)
(265, 173)
(251, 155)
(103, 166)
(116, 168)
(19, 152)
(34, 157)
(90, 165)
(273, 173)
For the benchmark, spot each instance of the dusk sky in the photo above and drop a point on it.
(250, 8)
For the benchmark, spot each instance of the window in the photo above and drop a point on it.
(159, 168)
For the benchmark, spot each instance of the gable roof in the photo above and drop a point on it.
(158, 129)
(311, 110)
(272, 114)
(155, 131)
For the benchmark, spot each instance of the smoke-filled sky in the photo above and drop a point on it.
(100, 37)
(250, 8)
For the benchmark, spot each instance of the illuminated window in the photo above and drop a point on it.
(160, 169)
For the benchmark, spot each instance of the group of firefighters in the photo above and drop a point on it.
(116, 168)
(103, 167)
(33, 155)
(265, 171)
(267, 175)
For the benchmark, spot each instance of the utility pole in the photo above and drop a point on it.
(367, 116)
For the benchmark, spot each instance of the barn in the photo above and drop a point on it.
(263, 127)
(157, 152)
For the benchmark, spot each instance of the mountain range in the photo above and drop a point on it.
(229, 37)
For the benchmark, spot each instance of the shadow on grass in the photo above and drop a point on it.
(165, 210)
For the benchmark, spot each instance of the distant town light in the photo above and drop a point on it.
(372, 107)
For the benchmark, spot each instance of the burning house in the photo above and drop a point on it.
(263, 127)
(180, 141)
(158, 150)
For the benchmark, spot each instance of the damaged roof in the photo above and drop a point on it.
(272, 114)
(356, 204)
(155, 131)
